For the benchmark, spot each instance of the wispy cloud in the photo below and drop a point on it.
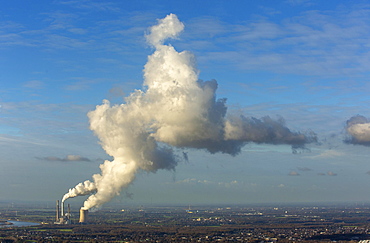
(203, 28)
(90, 5)
(15, 140)
(331, 173)
(293, 173)
(65, 30)
(327, 154)
(331, 43)
(299, 2)
(207, 182)
(79, 85)
(68, 158)
(59, 20)
(33, 84)
(304, 169)
(41, 122)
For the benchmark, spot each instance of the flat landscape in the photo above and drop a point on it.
(345, 223)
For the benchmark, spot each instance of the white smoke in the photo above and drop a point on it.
(174, 109)
(358, 129)
(81, 189)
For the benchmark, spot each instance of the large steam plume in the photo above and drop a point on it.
(85, 188)
(358, 129)
(174, 109)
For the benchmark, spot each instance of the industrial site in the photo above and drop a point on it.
(275, 223)
(63, 217)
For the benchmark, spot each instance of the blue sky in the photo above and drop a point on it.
(306, 61)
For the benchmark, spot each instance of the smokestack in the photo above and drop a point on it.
(69, 211)
(62, 210)
(57, 212)
(83, 215)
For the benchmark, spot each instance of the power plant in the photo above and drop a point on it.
(61, 217)
(65, 218)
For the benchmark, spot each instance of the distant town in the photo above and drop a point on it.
(275, 223)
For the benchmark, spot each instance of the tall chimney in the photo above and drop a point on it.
(57, 212)
(83, 215)
(62, 210)
(69, 211)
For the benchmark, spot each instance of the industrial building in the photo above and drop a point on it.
(61, 217)
(65, 218)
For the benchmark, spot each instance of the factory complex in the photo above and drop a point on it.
(63, 217)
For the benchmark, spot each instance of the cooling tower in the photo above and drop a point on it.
(83, 215)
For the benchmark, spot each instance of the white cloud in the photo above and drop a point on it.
(304, 169)
(299, 2)
(91, 5)
(327, 154)
(331, 43)
(293, 173)
(33, 84)
(207, 182)
(331, 173)
(20, 141)
(68, 158)
(358, 128)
